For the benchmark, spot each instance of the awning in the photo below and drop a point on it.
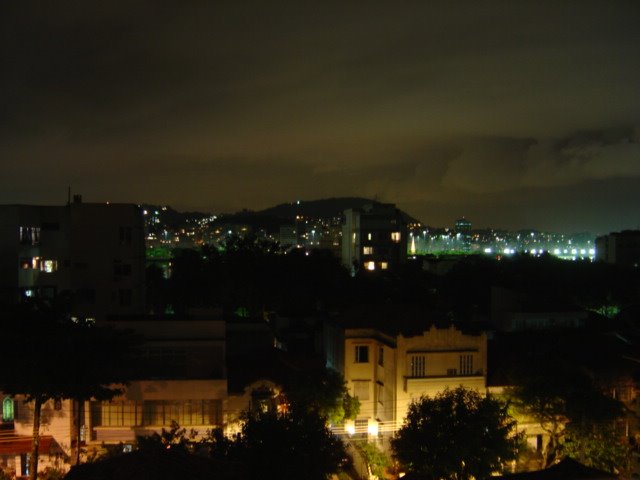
(11, 444)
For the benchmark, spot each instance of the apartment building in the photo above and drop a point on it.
(388, 366)
(374, 238)
(91, 253)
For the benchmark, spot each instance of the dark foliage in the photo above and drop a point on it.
(456, 435)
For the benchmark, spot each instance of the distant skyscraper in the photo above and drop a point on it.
(463, 233)
(463, 225)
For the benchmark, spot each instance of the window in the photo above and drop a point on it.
(417, 366)
(48, 266)
(370, 265)
(362, 354)
(381, 356)
(369, 236)
(7, 410)
(395, 237)
(361, 389)
(86, 296)
(466, 364)
(125, 235)
(113, 414)
(30, 262)
(190, 412)
(384, 265)
(367, 250)
(125, 297)
(50, 226)
(122, 269)
(29, 235)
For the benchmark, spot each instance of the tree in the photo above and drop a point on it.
(321, 391)
(556, 394)
(598, 446)
(375, 459)
(58, 359)
(287, 446)
(31, 336)
(97, 367)
(456, 435)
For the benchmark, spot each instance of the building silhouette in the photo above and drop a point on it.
(374, 237)
(90, 254)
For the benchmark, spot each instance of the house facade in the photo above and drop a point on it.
(387, 372)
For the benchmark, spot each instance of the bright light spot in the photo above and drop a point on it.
(145, 212)
(592, 251)
(507, 251)
(370, 265)
(583, 251)
(574, 251)
(534, 251)
(487, 250)
(373, 428)
(350, 428)
(556, 251)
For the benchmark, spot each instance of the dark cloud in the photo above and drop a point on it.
(441, 107)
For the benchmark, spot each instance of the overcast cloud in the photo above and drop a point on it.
(515, 114)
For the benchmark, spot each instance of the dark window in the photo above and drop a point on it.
(125, 297)
(86, 295)
(362, 354)
(125, 235)
(50, 226)
(381, 356)
(122, 269)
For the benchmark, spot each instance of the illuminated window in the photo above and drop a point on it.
(466, 364)
(49, 266)
(384, 265)
(369, 236)
(367, 250)
(362, 354)
(361, 389)
(370, 265)
(30, 262)
(29, 235)
(7, 409)
(395, 236)
(417, 366)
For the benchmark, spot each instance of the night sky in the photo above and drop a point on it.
(514, 114)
